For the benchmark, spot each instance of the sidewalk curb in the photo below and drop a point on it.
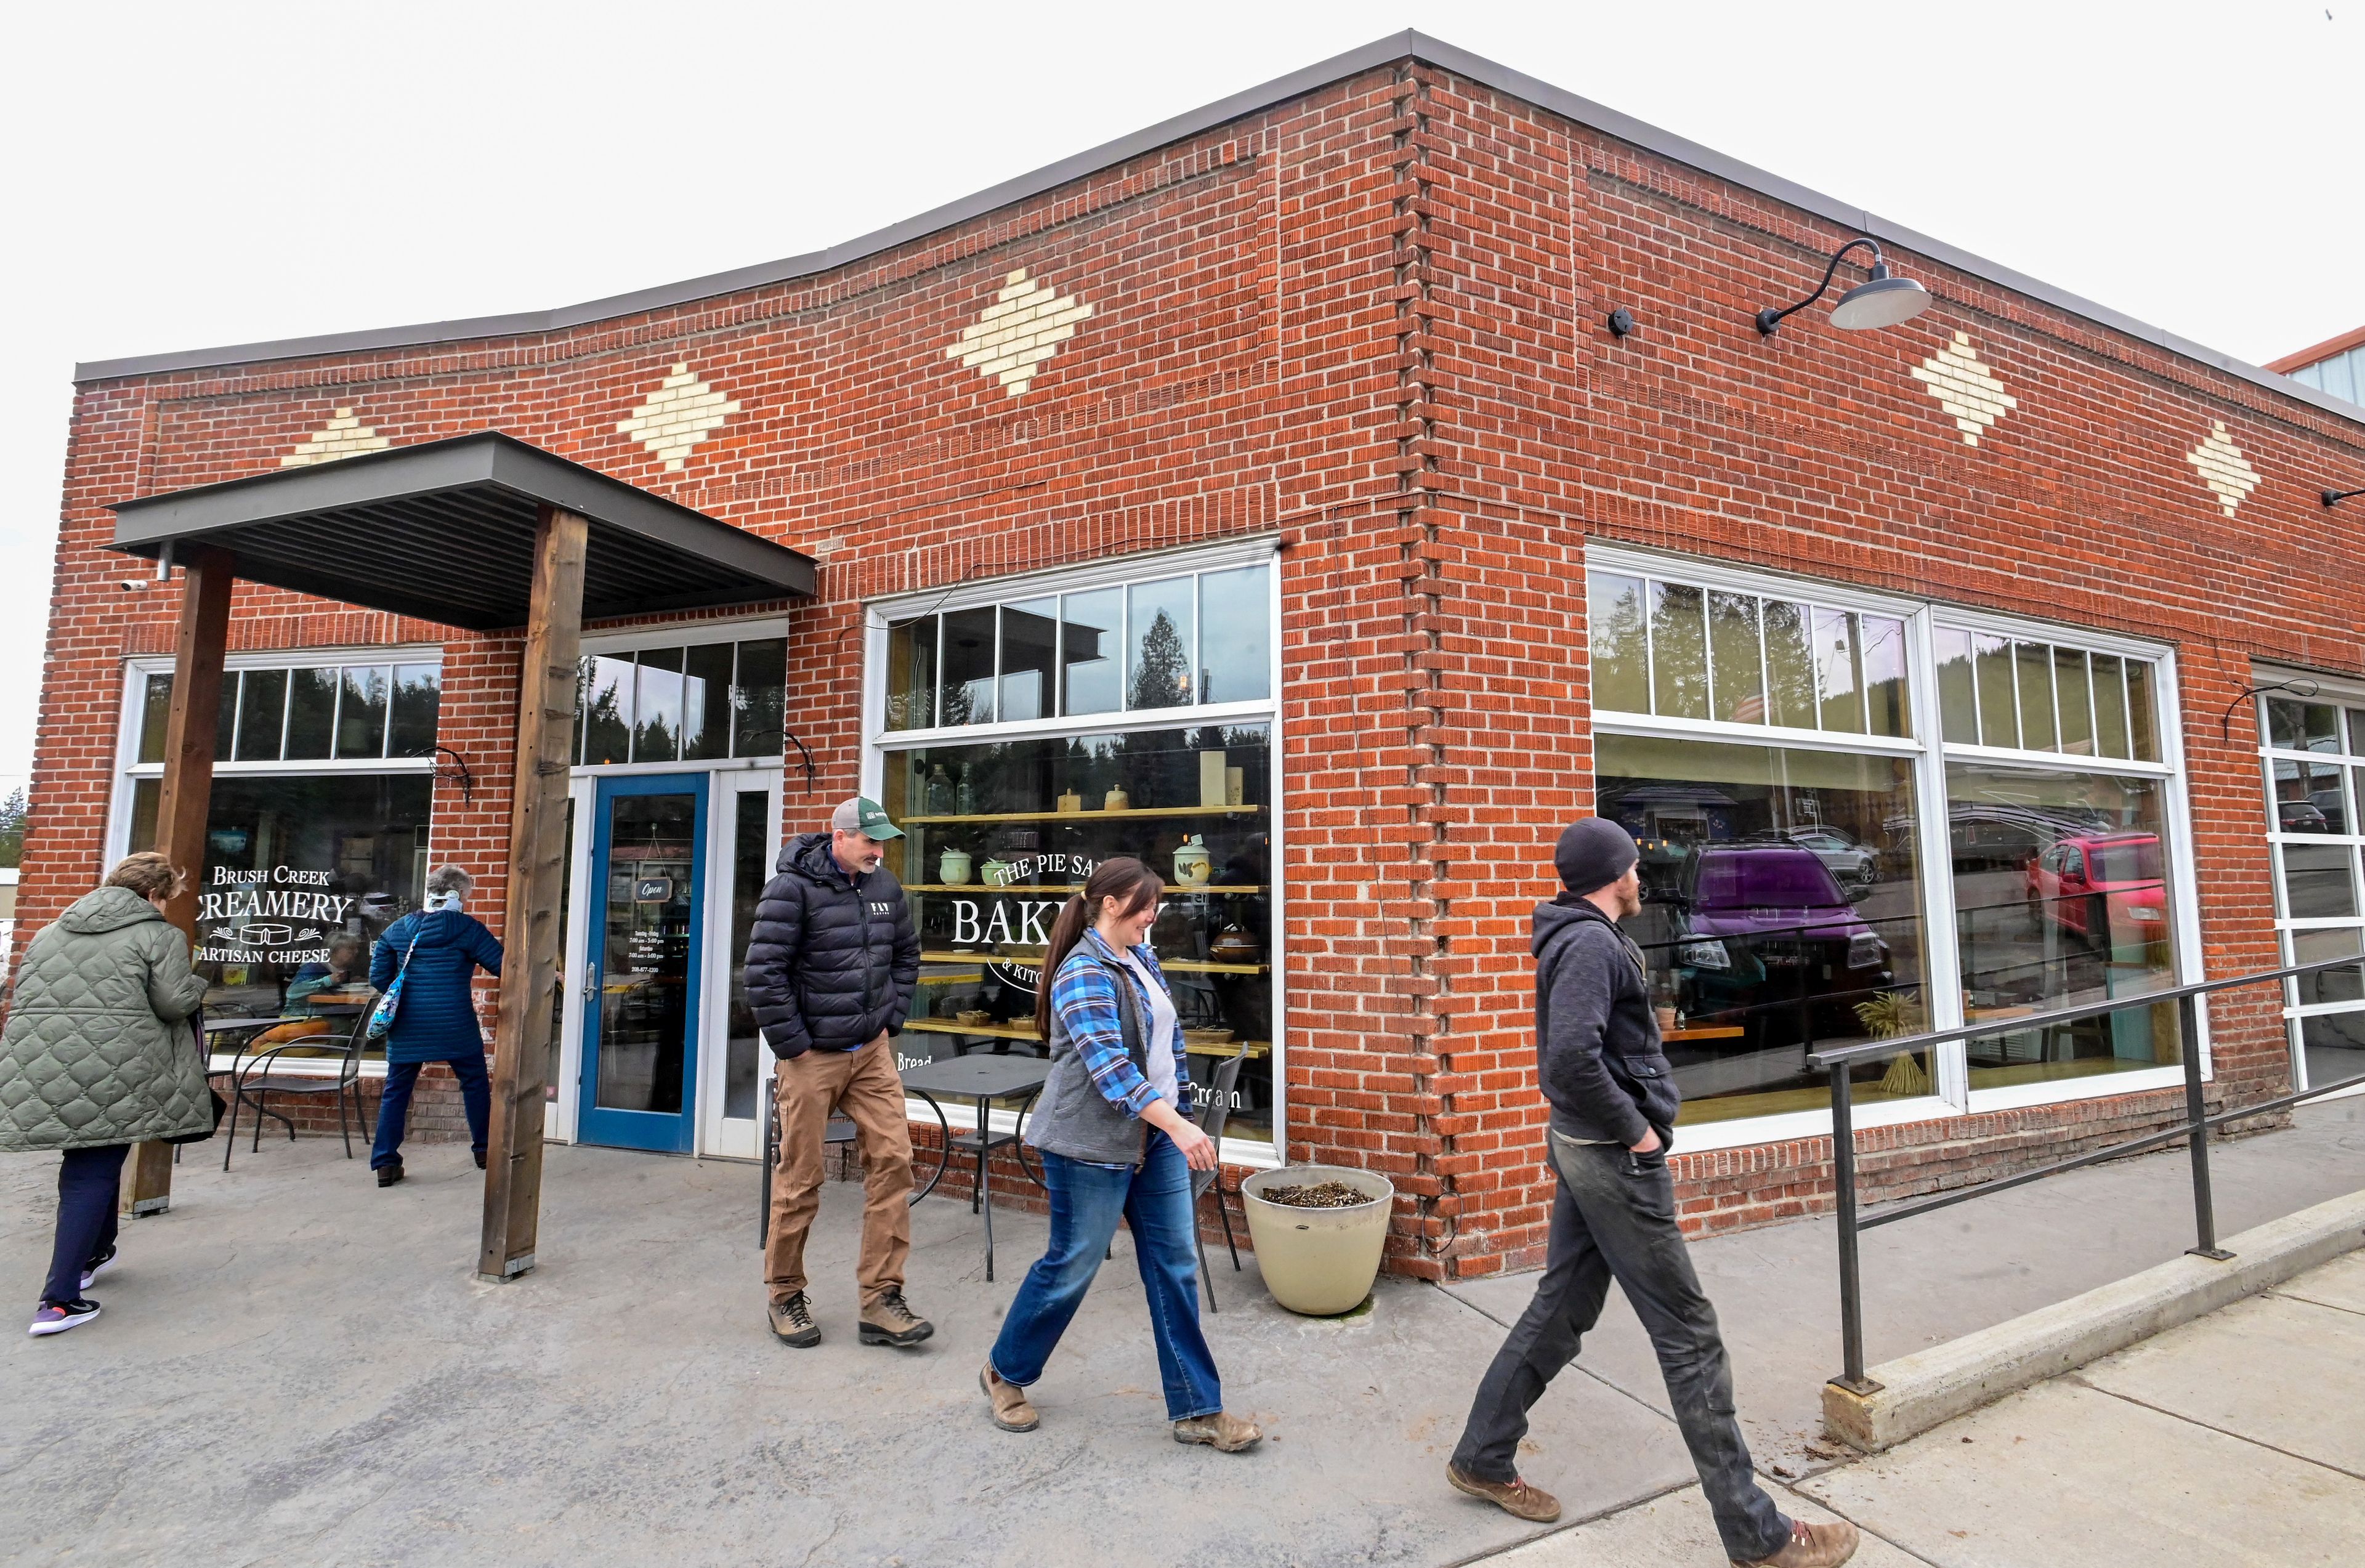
(1919, 1390)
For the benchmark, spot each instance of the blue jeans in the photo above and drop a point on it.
(394, 1104)
(87, 1180)
(1086, 1200)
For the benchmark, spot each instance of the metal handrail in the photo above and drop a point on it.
(2194, 1127)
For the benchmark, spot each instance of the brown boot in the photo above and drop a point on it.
(1225, 1433)
(1811, 1546)
(1011, 1411)
(1514, 1496)
(792, 1322)
(889, 1321)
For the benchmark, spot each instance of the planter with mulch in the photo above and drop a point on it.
(1319, 1231)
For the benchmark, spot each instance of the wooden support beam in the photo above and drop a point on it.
(188, 787)
(530, 933)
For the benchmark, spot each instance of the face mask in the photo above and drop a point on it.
(436, 901)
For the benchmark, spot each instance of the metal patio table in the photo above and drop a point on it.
(983, 1079)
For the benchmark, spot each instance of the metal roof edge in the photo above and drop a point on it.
(1407, 44)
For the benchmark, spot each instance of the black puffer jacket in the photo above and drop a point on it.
(830, 963)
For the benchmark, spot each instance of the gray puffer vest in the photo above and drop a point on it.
(1074, 1118)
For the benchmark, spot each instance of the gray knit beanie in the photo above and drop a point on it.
(1593, 853)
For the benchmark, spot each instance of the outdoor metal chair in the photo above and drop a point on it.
(255, 1078)
(1212, 1117)
(838, 1130)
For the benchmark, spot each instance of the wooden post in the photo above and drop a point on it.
(187, 792)
(529, 934)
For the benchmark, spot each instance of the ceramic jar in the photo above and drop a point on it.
(993, 873)
(1233, 945)
(953, 868)
(1070, 802)
(1116, 799)
(1192, 865)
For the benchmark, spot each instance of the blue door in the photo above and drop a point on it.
(640, 1035)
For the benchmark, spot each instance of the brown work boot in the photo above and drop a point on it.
(792, 1322)
(1011, 1411)
(1811, 1546)
(1514, 1496)
(889, 1321)
(1221, 1432)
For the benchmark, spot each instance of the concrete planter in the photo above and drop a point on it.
(1318, 1261)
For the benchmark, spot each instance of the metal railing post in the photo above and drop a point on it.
(1851, 1376)
(2204, 1206)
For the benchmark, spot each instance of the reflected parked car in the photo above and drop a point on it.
(1853, 863)
(1764, 933)
(2119, 874)
(2303, 816)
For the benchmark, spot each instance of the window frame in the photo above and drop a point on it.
(2341, 695)
(683, 634)
(1929, 752)
(880, 616)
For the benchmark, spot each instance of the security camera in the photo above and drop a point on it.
(133, 585)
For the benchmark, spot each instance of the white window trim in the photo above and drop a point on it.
(1942, 962)
(2341, 694)
(879, 616)
(687, 634)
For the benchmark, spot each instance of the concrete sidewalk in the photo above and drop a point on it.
(295, 1368)
(2234, 1441)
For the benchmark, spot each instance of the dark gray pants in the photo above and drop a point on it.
(1614, 1217)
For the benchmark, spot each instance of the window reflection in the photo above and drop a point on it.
(1161, 624)
(1030, 649)
(1091, 633)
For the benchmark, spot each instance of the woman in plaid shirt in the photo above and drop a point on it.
(1114, 1143)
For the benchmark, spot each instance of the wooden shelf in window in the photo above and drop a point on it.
(1182, 966)
(1017, 887)
(1093, 815)
(992, 1031)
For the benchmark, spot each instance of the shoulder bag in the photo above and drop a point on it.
(381, 1018)
(197, 1030)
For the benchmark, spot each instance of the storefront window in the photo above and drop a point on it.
(997, 835)
(2314, 760)
(1781, 915)
(680, 704)
(307, 713)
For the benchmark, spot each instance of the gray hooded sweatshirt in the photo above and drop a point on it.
(1598, 1051)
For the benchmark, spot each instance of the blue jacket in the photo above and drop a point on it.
(436, 1020)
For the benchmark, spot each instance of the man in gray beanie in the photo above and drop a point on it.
(1613, 1114)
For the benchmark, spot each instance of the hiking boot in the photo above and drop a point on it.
(889, 1321)
(1011, 1411)
(792, 1322)
(1223, 1432)
(56, 1317)
(1514, 1496)
(388, 1175)
(1811, 1546)
(97, 1266)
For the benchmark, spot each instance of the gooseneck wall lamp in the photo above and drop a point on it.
(2334, 497)
(1879, 300)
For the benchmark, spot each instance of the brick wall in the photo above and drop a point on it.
(1368, 321)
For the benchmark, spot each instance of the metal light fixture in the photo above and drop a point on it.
(2334, 497)
(1880, 301)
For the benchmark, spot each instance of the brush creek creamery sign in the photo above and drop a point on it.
(274, 915)
(997, 924)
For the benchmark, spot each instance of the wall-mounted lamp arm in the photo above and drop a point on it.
(2303, 687)
(2334, 497)
(1769, 318)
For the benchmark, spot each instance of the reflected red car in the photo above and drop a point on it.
(2120, 872)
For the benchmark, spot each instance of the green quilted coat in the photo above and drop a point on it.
(98, 1048)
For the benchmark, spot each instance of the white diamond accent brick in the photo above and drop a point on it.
(1966, 389)
(1024, 326)
(2223, 467)
(682, 411)
(343, 436)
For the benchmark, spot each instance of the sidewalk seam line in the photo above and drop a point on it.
(1564, 1526)
(2212, 1427)
(2311, 1300)
(1896, 1546)
(1578, 1365)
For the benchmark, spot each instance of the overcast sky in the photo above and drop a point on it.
(184, 176)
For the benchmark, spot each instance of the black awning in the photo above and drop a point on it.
(444, 531)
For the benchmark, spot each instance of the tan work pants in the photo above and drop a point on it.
(863, 1086)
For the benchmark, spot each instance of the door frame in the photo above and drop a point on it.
(697, 785)
(725, 1137)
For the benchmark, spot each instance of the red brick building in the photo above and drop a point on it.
(1270, 494)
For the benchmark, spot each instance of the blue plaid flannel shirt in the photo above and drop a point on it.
(1084, 996)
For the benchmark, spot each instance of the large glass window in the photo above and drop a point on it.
(1781, 914)
(1184, 640)
(678, 704)
(306, 713)
(2313, 754)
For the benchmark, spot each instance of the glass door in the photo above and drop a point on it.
(738, 1069)
(640, 1022)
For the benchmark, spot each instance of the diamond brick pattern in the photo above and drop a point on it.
(1966, 389)
(1024, 326)
(683, 411)
(343, 436)
(2223, 467)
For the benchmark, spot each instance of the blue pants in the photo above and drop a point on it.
(394, 1104)
(1086, 1200)
(87, 1196)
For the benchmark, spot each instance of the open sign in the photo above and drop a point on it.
(652, 889)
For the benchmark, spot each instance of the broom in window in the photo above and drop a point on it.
(1891, 1015)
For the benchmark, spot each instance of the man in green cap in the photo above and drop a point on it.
(832, 963)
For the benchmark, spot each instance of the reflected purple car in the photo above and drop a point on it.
(1762, 928)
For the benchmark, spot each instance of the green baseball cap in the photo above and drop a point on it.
(864, 815)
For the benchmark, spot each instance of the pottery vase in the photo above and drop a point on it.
(953, 868)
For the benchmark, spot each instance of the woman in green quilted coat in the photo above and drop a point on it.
(99, 1055)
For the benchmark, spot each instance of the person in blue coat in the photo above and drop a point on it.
(435, 1020)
